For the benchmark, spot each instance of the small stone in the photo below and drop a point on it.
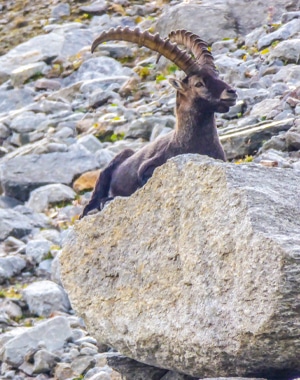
(8, 202)
(44, 361)
(4, 131)
(63, 371)
(97, 8)
(11, 308)
(81, 364)
(47, 84)
(42, 198)
(23, 73)
(11, 266)
(61, 10)
(53, 333)
(287, 51)
(45, 297)
(27, 121)
(269, 163)
(90, 142)
(38, 250)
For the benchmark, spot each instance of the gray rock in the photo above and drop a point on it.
(50, 234)
(283, 33)
(191, 16)
(15, 99)
(54, 107)
(27, 121)
(99, 98)
(287, 51)
(20, 175)
(82, 364)
(97, 68)
(293, 139)
(89, 86)
(45, 297)
(288, 16)
(60, 10)
(4, 131)
(7, 202)
(252, 37)
(230, 68)
(44, 361)
(64, 41)
(204, 297)
(97, 8)
(90, 142)
(23, 73)
(41, 198)
(142, 127)
(264, 109)
(288, 74)
(14, 222)
(38, 250)
(11, 308)
(55, 270)
(44, 267)
(247, 140)
(52, 333)
(103, 157)
(221, 19)
(47, 84)
(11, 266)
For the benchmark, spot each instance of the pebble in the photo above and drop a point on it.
(57, 101)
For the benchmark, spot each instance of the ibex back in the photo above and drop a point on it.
(198, 96)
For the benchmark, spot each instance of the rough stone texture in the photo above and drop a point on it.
(226, 18)
(239, 142)
(20, 175)
(197, 272)
(41, 198)
(15, 349)
(45, 297)
(10, 266)
(15, 223)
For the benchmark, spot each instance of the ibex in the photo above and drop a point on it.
(199, 95)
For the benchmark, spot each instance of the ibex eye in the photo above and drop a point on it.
(199, 84)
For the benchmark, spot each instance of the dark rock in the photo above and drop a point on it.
(8, 202)
(133, 370)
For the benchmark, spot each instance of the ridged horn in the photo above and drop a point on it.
(154, 42)
(196, 45)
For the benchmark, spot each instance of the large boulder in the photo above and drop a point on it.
(197, 272)
(20, 175)
(214, 20)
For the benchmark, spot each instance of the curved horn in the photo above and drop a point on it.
(152, 41)
(197, 47)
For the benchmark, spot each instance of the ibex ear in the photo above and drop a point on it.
(177, 84)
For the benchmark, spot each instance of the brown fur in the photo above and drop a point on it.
(198, 97)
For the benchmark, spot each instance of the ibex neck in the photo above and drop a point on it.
(197, 133)
(194, 127)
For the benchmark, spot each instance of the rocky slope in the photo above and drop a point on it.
(64, 113)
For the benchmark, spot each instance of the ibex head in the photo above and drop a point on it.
(202, 86)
